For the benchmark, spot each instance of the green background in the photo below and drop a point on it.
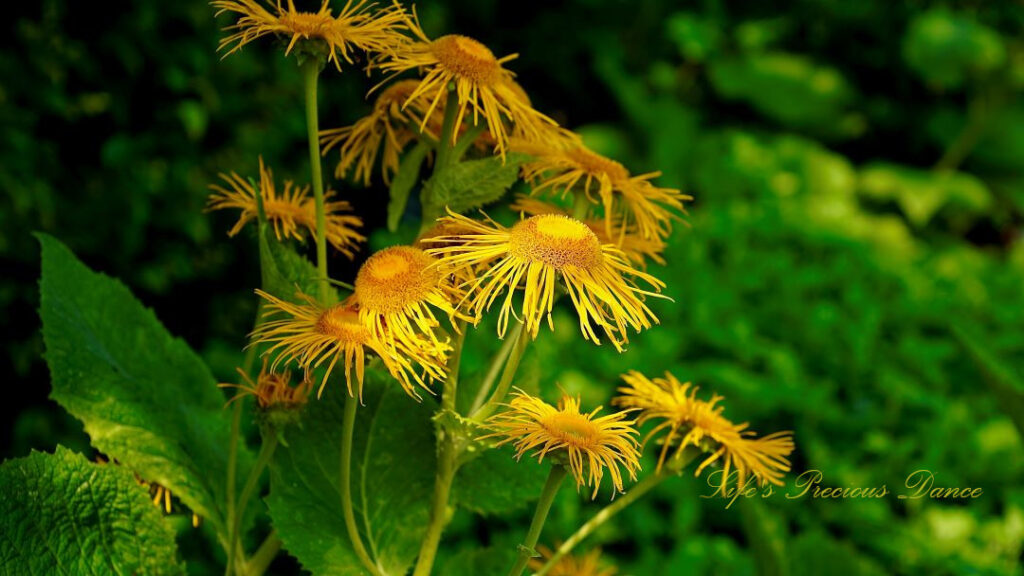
(852, 268)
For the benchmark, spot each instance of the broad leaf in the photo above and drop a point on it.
(472, 184)
(495, 559)
(62, 514)
(145, 398)
(392, 480)
(495, 483)
(405, 180)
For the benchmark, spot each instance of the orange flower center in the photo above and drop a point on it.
(466, 58)
(395, 278)
(571, 428)
(593, 163)
(555, 240)
(307, 24)
(342, 323)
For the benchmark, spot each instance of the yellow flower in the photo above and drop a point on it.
(272, 389)
(311, 335)
(483, 86)
(386, 131)
(626, 199)
(533, 253)
(699, 423)
(355, 27)
(397, 289)
(635, 247)
(289, 212)
(585, 443)
(587, 565)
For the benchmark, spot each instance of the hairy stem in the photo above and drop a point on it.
(264, 555)
(445, 147)
(608, 512)
(497, 361)
(547, 496)
(311, 73)
(348, 424)
(236, 422)
(448, 452)
(507, 376)
(251, 483)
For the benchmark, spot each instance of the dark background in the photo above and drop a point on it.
(857, 169)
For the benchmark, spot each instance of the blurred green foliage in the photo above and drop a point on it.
(858, 169)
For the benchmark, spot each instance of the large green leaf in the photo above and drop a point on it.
(394, 462)
(145, 398)
(495, 483)
(61, 514)
(472, 184)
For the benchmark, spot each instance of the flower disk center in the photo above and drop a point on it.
(465, 57)
(574, 429)
(556, 240)
(395, 278)
(307, 24)
(342, 323)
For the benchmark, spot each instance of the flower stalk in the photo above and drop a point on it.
(540, 515)
(674, 467)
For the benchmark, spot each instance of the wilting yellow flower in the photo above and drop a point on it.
(587, 565)
(635, 247)
(626, 199)
(533, 253)
(290, 212)
(699, 423)
(160, 496)
(355, 27)
(585, 443)
(312, 335)
(386, 131)
(272, 389)
(483, 86)
(397, 289)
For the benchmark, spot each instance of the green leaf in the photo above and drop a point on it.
(471, 184)
(790, 89)
(62, 514)
(495, 483)
(145, 398)
(947, 49)
(494, 559)
(922, 193)
(284, 271)
(405, 179)
(394, 462)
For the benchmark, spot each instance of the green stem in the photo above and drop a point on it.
(348, 425)
(236, 422)
(251, 483)
(448, 452)
(448, 136)
(497, 361)
(547, 496)
(635, 493)
(311, 73)
(446, 144)
(264, 555)
(507, 376)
